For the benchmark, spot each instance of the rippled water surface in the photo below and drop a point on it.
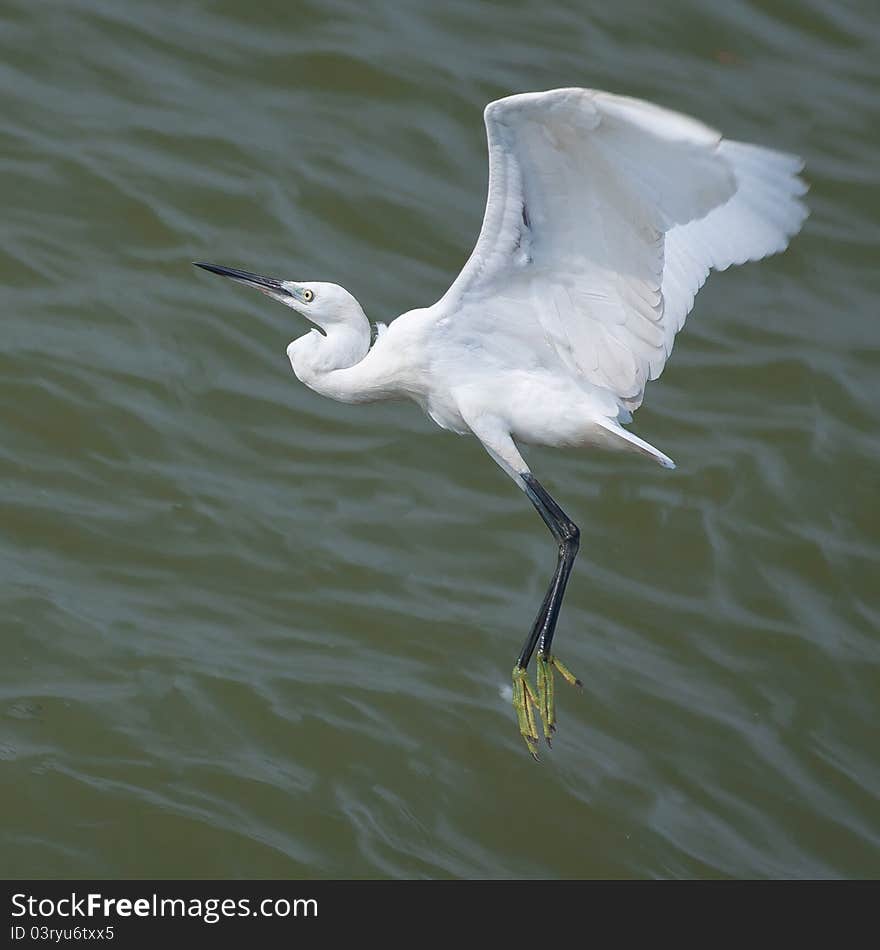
(250, 632)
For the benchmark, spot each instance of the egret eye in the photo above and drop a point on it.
(308, 296)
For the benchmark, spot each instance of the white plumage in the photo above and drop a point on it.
(604, 216)
(628, 207)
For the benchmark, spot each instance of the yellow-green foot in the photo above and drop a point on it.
(546, 699)
(546, 691)
(525, 703)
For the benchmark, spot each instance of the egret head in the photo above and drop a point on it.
(325, 305)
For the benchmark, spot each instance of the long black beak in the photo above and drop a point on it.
(266, 284)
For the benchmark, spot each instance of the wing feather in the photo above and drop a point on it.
(603, 218)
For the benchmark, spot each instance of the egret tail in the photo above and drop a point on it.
(634, 443)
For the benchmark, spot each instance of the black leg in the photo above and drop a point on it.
(527, 701)
(568, 537)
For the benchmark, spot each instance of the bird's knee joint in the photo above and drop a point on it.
(571, 538)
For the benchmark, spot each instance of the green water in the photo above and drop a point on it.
(249, 632)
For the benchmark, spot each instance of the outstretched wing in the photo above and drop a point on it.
(603, 219)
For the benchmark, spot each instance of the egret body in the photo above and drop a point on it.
(604, 216)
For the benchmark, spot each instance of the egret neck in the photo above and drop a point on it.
(317, 357)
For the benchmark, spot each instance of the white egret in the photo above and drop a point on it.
(604, 216)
